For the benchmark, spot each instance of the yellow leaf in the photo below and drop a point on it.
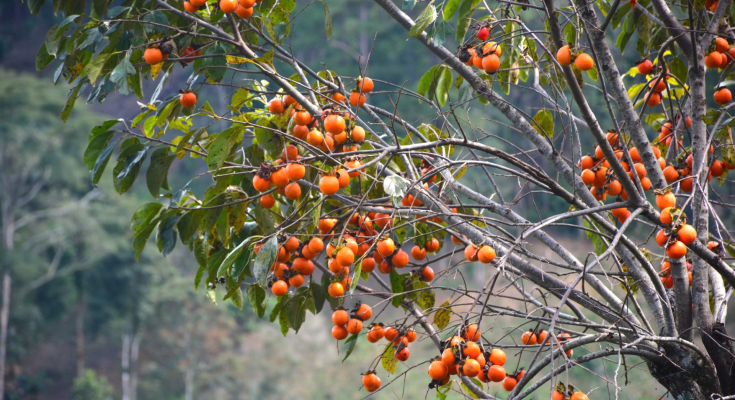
(155, 70)
(442, 315)
(233, 60)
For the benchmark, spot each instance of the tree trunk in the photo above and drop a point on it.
(127, 341)
(4, 316)
(80, 323)
(134, 351)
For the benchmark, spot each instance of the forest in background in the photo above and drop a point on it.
(89, 322)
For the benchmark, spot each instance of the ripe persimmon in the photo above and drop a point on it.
(497, 357)
(339, 332)
(345, 257)
(358, 134)
(243, 12)
(471, 349)
(368, 264)
(529, 338)
(687, 234)
(302, 118)
(336, 289)
(496, 373)
(676, 250)
(427, 274)
(153, 56)
(303, 266)
(471, 368)
(296, 280)
(432, 245)
(292, 191)
(343, 178)
(588, 177)
(364, 312)
(509, 383)
(579, 396)
(645, 67)
(438, 370)
(377, 332)
(418, 253)
(364, 84)
(267, 201)
(665, 200)
(584, 62)
(723, 96)
(188, 6)
(564, 55)
(654, 99)
(276, 106)
(470, 253)
(329, 185)
(279, 288)
(357, 99)
(188, 99)
(486, 254)
(279, 178)
(386, 247)
(354, 326)
(665, 216)
(400, 259)
(670, 174)
(402, 354)
(334, 124)
(391, 333)
(316, 245)
(371, 382)
(472, 333)
(261, 184)
(228, 6)
(491, 63)
(713, 59)
(295, 171)
(661, 238)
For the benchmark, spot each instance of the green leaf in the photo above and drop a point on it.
(280, 302)
(469, 392)
(443, 315)
(43, 58)
(327, 21)
(297, 311)
(71, 99)
(396, 286)
(141, 237)
(158, 170)
(679, 69)
(350, 345)
(283, 320)
(96, 144)
(317, 292)
(395, 187)
(120, 74)
(408, 4)
(570, 33)
(166, 238)
(544, 123)
(128, 165)
(198, 277)
(189, 224)
(355, 276)
(592, 73)
(233, 255)
(388, 359)
(449, 8)
(464, 19)
(35, 6)
(426, 18)
(101, 163)
(426, 80)
(220, 148)
(256, 298)
(264, 260)
(144, 215)
(443, 86)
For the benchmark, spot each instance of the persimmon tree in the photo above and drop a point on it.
(309, 178)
